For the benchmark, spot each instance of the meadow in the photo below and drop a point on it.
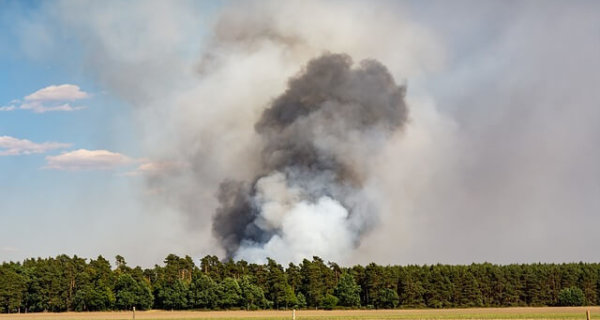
(444, 314)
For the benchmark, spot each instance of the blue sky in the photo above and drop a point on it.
(47, 204)
(501, 147)
(27, 68)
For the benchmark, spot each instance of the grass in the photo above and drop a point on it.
(442, 314)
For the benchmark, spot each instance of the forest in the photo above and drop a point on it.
(73, 283)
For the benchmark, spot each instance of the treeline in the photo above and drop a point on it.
(72, 283)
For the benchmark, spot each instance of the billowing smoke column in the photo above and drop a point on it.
(307, 198)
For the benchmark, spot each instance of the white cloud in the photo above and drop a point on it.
(10, 146)
(83, 159)
(51, 98)
(63, 92)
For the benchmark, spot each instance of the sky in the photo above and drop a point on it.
(119, 120)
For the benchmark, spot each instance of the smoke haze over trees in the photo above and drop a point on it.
(72, 283)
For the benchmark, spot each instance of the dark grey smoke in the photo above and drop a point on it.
(331, 114)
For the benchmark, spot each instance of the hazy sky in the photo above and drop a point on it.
(118, 120)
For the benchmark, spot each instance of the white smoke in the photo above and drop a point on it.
(306, 228)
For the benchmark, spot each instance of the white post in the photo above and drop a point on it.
(134, 313)
(293, 314)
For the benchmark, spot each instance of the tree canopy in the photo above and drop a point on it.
(68, 283)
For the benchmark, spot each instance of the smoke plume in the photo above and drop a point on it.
(307, 195)
(310, 176)
(500, 150)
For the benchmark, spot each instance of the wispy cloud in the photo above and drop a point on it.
(38, 107)
(83, 159)
(7, 108)
(51, 98)
(10, 146)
